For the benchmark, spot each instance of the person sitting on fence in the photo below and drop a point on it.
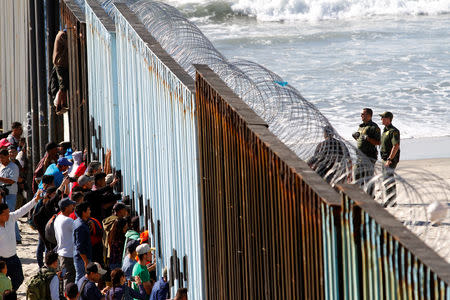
(60, 73)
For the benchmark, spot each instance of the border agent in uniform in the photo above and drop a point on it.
(390, 154)
(367, 138)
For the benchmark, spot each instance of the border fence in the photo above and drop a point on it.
(232, 211)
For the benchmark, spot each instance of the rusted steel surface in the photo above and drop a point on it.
(265, 212)
(382, 259)
(73, 18)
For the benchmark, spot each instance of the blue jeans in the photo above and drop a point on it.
(40, 253)
(80, 270)
(11, 202)
(14, 270)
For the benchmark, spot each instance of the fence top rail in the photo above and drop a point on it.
(398, 231)
(155, 47)
(76, 10)
(104, 18)
(260, 128)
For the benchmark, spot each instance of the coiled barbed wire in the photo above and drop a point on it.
(299, 124)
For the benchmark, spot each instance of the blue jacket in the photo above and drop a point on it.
(81, 238)
(160, 290)
(58, 176)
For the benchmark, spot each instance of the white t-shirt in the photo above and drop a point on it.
(11, 171)
(64, 235)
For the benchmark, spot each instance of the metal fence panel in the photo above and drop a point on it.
(269, 233)
(14, 26)
(73, 18)
(102, 78)
(158, 148)
(382, 258)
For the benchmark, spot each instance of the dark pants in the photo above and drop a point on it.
(14, 270)
(40, 252)
(63, 77)
(389, 185)
(67, 264)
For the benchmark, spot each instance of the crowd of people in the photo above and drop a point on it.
(89, 247)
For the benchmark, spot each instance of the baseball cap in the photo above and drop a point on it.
(387, 114)
(50, 146)
(4, 143)
(94, 267)
(119, 206)
(84, 179)
(64, 202)
(132, 245)
(64, 162)
(109, 178)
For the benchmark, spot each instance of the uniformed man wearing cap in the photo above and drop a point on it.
(367, 137)
(390, 154)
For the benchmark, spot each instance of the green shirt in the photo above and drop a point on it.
(372, 130)
(5, 284)
(390, 138)
(143, 273)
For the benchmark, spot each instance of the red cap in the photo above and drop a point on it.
(4, 143)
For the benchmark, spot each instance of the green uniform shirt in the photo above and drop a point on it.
(390, 138)
(372, 130)
(143, 273)
(5, 284)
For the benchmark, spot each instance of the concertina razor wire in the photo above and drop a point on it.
(302, 127)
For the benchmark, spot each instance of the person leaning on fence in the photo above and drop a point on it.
(50, 157)
(130, 260)
(160, 290)
(8, 240)
(9, 174)
(58, 170)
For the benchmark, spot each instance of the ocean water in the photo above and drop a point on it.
(343, 55)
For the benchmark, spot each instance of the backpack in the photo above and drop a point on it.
(50, 230)
(96, 230)
(38, 288)
(33, 213)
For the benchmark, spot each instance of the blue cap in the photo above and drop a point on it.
(64, 162)
(64, 202)
(68, 154)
